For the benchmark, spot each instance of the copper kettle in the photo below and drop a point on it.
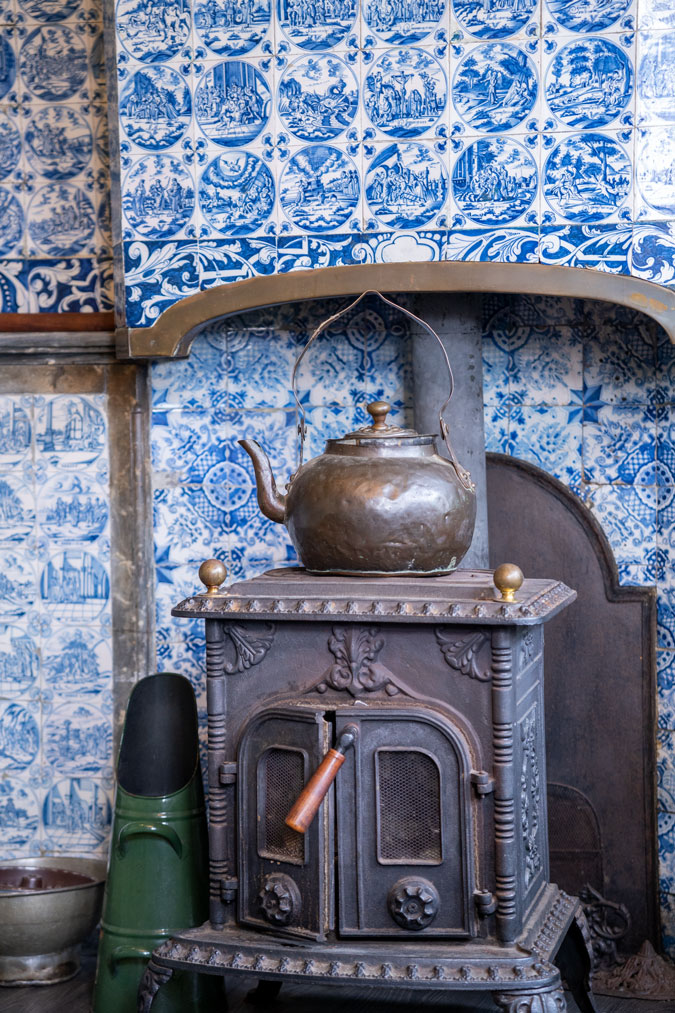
(380, 501)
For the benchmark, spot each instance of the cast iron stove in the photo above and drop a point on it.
(426, 865)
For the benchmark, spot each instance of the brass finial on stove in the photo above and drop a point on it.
(378, 411)
(212, 573)
(508, 578)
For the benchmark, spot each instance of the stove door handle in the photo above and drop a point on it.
(312, 795)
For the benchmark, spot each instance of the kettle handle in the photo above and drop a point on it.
(462, 474)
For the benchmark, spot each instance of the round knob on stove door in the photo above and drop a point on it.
(279, 899)
(212, 573)
(413, 903)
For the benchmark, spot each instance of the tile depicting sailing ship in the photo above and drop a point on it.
(153, 30)
(155, 108)
(587, 177)
(319, 189)
(589, 83)
(403, 22)
(53, 63)
(494, 19)
(316, 25)
(406, 185)
(236, 193)
(232, 27)
(232, 103)
(405, 93)
(317, 97)
(158, 196)
(58, 142)
(495, 87)
(494, 181)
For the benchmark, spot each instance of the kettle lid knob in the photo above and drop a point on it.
(379, 410)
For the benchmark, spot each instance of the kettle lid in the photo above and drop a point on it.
(379, 429)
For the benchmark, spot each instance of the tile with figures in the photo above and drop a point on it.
(236, 191)
(507, 244)
(61, 221)
(58, 142)
(232, 28)
(588, 83)
(72, 509)
(74, 587)
(19, 735)
(494, 87)
(494, 19)
(628, 517)
(155, 106)
(604, 247)
(17, 517)
(157, 274)
(317, 97)
(76, 816)
(494, 181)
(19, 661)
(77, 662)
(320, 190)
(590, 17)
(77, 738)
(405, 93)
(54, 62)
(10, 145)
(620, 447)
(406, 186)
(403, 24)
(155, 31)
(158, 197)
(655, 174)
(12, 223)
(586, 177)
(19, 816)
(71, 431)
(655, 99)
(232, 102)
(316, 25)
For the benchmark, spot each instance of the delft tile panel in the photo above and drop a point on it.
(280, 136)
(54, 178)
(55, 635)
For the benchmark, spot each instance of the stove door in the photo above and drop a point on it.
(404, 828)
(285, 877)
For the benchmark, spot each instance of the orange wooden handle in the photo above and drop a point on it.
(312, 795)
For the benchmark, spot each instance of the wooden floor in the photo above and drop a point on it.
(75, 996)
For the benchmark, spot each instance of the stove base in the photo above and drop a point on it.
(522, 975)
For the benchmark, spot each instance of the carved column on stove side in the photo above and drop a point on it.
(503, 715)
(221, 867)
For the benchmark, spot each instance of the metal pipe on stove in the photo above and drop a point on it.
(304, 810)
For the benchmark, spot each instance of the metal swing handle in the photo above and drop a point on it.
(304, 810)
(462, 474)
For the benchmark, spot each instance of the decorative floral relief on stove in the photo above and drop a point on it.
(356, 668)
(530, 796)
(251, 644)
(469, 654)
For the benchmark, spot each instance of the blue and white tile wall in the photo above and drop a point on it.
(584, 390)
(278, 136)
(55, 242)
(55, 635)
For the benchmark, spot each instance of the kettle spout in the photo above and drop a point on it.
(270, 500)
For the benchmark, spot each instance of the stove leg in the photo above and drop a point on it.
(574, 961)
(153, 978)
(550, 1001)
(265, 992)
